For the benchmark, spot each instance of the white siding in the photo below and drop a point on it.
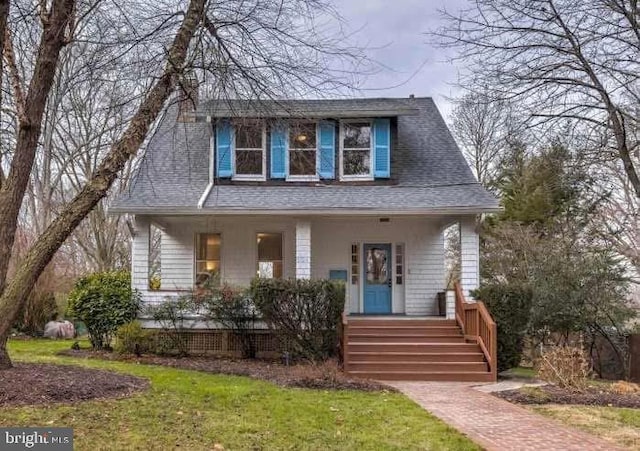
(303, 250)
(330, 248)
(469, 255)
(140, 254)
(424, 257)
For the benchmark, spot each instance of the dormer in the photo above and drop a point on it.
(302, 144)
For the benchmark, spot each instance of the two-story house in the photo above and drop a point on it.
(353, 189)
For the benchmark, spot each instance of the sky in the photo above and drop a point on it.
(394, 32)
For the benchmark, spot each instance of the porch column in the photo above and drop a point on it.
(303, 249)
(469, 255)
(140, 253)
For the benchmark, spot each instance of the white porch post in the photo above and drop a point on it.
(303, 249)
(469, 255)
(140, 253)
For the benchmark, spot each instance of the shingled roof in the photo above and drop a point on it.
(429, 173)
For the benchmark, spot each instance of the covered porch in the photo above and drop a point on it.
(392, 266)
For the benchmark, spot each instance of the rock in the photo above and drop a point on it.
(59, 329)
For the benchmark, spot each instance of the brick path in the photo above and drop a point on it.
(496, 424)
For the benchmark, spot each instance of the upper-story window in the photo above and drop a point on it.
(303, 149)
(355, 148)
(250, 154)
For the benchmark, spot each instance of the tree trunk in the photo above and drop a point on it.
(41, 253)
(52, 40)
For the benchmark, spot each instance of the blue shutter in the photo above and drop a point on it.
(381, 148)
(327, 150)
(223, 149)
(278, 151)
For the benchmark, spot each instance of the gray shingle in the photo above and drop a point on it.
(429, 172)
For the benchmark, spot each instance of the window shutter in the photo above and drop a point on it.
(327, 149)
(382, 148)
(278, 151)
(223, 149)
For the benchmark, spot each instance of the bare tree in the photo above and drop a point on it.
(558, 59)
(483, 128)
(257, 48)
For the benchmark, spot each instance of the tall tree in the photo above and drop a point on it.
(558, 59)
(257, 48)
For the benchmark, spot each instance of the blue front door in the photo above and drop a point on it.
(377, 281)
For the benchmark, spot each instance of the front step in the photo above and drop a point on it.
(404, 330)
(418, 367)
(412, 350)
(355, 322)
(413, 347)
(355, 356)
(443, 376)
(404, 338)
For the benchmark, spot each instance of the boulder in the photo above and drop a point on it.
(59, 329)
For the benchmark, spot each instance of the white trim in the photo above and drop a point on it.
(249, 177)
(188, 211)
(303, 177)
(355, 177)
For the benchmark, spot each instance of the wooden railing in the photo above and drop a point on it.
(477, 325)
(344, 330)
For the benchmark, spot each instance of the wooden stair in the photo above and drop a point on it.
(412, 350)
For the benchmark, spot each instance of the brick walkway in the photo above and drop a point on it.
(496, 424)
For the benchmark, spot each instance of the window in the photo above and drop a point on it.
(399, 264)
(356, 149)
(249, 150)
(355, 263)
(270, 255)
(207, 257)
(302, 149)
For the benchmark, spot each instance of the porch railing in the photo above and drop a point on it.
(477, 325)
(344, 330)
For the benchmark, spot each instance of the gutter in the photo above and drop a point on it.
(205, 195)
(207, 190)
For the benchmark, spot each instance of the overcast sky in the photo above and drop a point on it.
(395, 32)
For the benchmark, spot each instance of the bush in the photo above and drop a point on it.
(40, 308)
(307, 313)
(232, 308)
(510, 307)
(565, 366)
(131, 338)
(104, 301)
(170, 316)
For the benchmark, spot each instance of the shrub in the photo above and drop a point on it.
(232, 308)
(510, 307)
(565, 366)
(307, 313)
(172, 316)
(131, 338)
(40, 308)
(104, 301)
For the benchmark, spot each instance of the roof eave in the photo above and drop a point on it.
(172, 211)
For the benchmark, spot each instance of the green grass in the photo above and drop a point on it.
(194, 411)
(616, 424)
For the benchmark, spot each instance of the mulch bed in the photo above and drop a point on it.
(325, 376)
(37, 383)
(549, 394)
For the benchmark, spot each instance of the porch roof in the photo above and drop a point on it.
(472, 198)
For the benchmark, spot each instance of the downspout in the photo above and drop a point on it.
(207, 190)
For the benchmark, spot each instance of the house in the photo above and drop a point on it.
(354, 189)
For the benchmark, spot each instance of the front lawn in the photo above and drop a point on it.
(619, 425)
(194, 410)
